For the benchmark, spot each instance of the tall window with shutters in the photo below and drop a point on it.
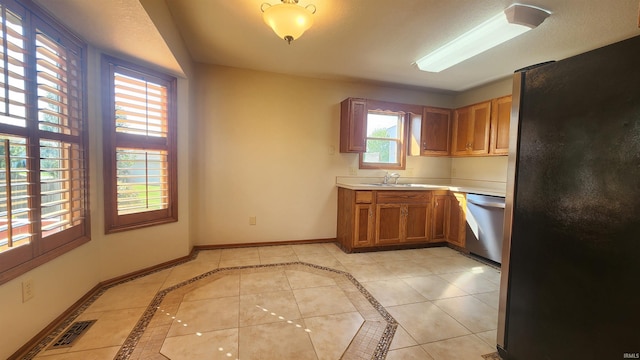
(43, 180)
(140, 148)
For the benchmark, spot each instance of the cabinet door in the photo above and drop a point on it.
(436, 127)
(461, 128)
(417, 227)
(456, 225)
(479, 136)
(440, 204)
(500, 121)
(471, 130)
(353, 123)
(390, 221)
(363, 229)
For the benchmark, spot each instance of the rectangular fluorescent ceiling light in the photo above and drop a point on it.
(515, 20)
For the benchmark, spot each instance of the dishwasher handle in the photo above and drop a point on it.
(487, 203)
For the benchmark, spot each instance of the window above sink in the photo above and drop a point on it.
(378, 131)
(384, 140)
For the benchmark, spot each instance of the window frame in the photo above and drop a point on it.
(112, 140)
(390, 107)
(66, 237)
(398, 140)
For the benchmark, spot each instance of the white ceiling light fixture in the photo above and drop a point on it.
(288, 20)
(515, 20)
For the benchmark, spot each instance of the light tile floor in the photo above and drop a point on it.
(444, 302)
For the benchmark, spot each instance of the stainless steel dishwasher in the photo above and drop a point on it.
(485, 221)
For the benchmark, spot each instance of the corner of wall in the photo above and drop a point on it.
(492, 90)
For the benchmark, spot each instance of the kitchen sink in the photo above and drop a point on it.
(426, 186)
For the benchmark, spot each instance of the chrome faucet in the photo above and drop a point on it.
(388, 177)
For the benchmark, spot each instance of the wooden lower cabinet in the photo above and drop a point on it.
(389, 223)
(355, 219)
(455, 230)
(402, 217)
(402, 223)
(383, 218)
(418, 227)
(441, 203)
(368, 219)
(449, 219)
(363, 225)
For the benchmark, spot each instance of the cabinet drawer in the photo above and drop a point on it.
(403, 197)
(364, 197)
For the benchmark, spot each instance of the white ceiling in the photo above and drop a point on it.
(371, 40)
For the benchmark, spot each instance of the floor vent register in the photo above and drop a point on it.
(73, 333)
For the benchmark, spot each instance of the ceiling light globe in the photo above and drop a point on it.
(288, 21)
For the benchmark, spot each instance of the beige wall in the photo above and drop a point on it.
(57, 285)
(268, 146)
(485, 92)
(486, 172)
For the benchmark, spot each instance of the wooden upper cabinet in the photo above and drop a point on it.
(471, 130)
(461, 129)
(500, 121)
(353, 125)
(481, 128)
(435, 135)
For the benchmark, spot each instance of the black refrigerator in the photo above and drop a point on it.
(570, 286)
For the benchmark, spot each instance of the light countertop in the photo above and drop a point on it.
(420, 186)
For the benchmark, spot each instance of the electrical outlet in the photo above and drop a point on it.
(252, 220)
(353, 171)
(453, 172)
(332, 150)
(409, 172)
(27, 290)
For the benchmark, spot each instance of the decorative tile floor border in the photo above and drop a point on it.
(371, 342)
(492, 356)
(53, 335)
